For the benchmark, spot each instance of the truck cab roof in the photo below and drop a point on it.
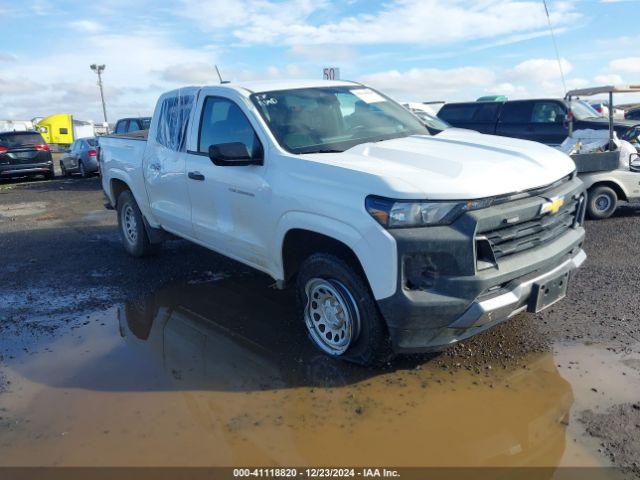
(259, 86)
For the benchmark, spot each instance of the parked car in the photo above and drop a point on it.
(609, 168)
(24, 153)
(602, 107)
(126, 125)
(633, 114)
(543, 120)
(395, 240)
(81, 158)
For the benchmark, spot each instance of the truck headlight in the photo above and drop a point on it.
(402, 213)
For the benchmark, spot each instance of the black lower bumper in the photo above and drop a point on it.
(456, 308)
(448, 289)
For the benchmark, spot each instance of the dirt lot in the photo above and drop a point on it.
(188, 358)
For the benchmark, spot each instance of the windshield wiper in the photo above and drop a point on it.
(325, 150)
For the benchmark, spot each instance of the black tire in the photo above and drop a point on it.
(50, 175)
(81, 169)
(131, 226)
(602, 202)
(371, 344)
(63, 170)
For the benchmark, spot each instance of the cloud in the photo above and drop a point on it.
(18, 86)
(609, 79)
(539, 70)
(133, 77)
(625, 65)
(422, 84)
(324, 53)
(88, 26)
(7, 57)
(413, 22)
(190, 73)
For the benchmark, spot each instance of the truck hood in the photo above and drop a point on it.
(455, 164)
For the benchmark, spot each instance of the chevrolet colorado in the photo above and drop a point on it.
(395, 240)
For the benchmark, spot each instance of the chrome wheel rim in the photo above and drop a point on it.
(129, 224)
(331, 315)
(603, 203)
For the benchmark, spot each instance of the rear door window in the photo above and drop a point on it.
(19, 139)
(458, 113)
(516, 112)
(486, 113)
(547, 112)
(173, 121)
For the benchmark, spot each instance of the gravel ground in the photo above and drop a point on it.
(62, 257)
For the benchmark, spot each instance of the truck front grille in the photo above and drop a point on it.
(518, 237)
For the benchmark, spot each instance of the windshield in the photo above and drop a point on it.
(582, 110)
(333, 119)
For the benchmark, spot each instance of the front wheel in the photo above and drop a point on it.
(339, 312)
(602, 202)
(131, 224)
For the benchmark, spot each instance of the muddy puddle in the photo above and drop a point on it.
(217, 373)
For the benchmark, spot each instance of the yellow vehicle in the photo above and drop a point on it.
(61, 129)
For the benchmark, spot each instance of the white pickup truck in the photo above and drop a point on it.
(396, 240)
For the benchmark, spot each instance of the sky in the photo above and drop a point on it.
(413, 50)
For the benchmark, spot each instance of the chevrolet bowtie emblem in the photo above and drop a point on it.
(552, 206)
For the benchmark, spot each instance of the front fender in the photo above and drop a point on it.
(374, 248)
(590, 179)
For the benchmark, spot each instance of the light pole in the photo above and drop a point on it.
(99, 69)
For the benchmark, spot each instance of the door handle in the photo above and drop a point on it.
(196, 176)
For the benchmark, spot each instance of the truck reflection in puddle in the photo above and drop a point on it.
(247, 372)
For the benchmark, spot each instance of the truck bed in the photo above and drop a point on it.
(122, 156)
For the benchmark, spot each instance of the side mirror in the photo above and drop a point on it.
(634, 162)
(233, 154)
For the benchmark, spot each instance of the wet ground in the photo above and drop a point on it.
(190, 359)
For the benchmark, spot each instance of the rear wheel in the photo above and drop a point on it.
(602, 202)
(132, 230)
(83, 172)
(51, 174)
(340, 313)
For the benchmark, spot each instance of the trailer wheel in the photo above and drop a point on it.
(602, 202)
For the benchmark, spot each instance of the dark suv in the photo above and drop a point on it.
(543, 120)
(24, 153)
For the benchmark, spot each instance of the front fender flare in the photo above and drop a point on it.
(376, 250)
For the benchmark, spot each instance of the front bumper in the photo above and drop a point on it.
(445, 295)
